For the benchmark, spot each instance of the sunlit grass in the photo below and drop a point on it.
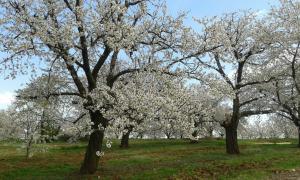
(154, 159)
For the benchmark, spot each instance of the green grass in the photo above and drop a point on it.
(154, 159)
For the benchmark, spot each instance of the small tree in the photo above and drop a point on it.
(43, 94)
(28, 120)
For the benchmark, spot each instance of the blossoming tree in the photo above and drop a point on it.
(284, 92)
(242, 44)
(81, 39)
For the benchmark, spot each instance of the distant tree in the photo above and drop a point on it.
(286, 128)
(8, 129)
(43, 94)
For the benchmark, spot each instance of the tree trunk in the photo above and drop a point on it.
(231, 125)
(91, 159)
(44, 137)
(125, 138)
(194, 134)
(28, 147)
(210, 133)
(298, 136)
(168, 135)
(141, 135)
(231, 140)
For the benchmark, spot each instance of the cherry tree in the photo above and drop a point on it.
(285, 127)
(150, 99)
(40, 115)
(29, 121)
(133, 103)
(42, 93)
(210, 100)
(240, 44)
(8, 130)
(80, 39)
(284, 97)
(284, 91)
(288, 90)
(175, 113)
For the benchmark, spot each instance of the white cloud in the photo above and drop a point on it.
(6, 98)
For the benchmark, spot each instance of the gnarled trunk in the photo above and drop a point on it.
(91, 158)
(125, 138)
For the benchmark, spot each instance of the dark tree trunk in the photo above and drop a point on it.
(141, 135)
(125, 138)
(230, 126)
(91, 159)
(168, 135)
(298, 136)
(194, 134)
(43, 128)
(231, 140)
(210, 133)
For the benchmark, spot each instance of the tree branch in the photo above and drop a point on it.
(50, 95)
(255, 112)
(221, 71)
(100, 62)
(256, 82)
(79, 118)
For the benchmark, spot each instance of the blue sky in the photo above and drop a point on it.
(196, 8)
(202, 8)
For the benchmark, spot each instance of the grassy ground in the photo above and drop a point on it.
(155, 159)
